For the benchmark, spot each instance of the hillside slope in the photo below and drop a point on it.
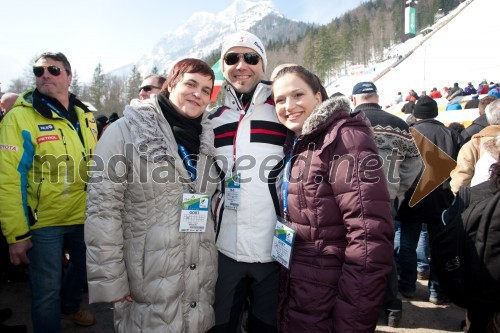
(461, 51)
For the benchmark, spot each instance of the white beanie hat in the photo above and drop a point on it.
(245, 39)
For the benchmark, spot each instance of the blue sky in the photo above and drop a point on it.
(114, 32)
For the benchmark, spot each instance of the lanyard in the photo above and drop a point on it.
(53, 108)
(188, 162)
(234, 139)
(242, 114)
(286, 179)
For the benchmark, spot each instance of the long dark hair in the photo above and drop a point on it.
(311, 79)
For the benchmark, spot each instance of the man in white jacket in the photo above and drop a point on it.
(249, 142)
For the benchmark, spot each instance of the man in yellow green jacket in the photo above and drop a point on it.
(46, 141)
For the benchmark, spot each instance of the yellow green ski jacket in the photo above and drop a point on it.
(44, 163)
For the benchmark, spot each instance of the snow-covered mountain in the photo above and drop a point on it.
(202, 34)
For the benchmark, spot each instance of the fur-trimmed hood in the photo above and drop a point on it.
(324, 111)
(151, 132)
(493, 147)
(328, 118)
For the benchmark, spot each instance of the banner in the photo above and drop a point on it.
(410, 21)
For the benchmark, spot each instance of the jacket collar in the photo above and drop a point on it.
(428, 121)
(151, 133)
(481, 120)
(491, 131)
(322, 115)
(367, 106)
(36, 99)
(260, 96)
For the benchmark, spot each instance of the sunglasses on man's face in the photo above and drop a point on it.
(250, 58)
(148, 88)
(53, 70)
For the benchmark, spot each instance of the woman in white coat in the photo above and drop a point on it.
(149, 231)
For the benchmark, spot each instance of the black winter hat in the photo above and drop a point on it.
(102, 120)
(425, 108)
(113, 117)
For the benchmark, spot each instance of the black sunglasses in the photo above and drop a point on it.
(39, 70)
(250, 58)
(148, 88)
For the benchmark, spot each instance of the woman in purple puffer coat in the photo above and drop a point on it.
(338, 204)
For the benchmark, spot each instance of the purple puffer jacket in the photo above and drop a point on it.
(339, 205)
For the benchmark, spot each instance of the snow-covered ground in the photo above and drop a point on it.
(461, 50)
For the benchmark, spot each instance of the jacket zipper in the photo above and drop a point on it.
(88, 128)
(64, 143)
(38, 192)
(300, 183)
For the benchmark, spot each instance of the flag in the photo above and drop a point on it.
(219, 80)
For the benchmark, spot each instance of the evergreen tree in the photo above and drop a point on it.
(325, 52)
(310, 57)
(346, 46)
(396, 15)
(113, 98)
(18, 86)
(293, 46)
(84, 93)
(212, 58)
(133, 83)
(97, 88)
(75, 84)
(448, 5)
(356, 54)
(364, 33)
(27, 80)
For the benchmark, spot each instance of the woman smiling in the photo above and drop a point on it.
(149, 233)
(335, 198)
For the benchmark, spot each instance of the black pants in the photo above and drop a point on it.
(238, 282)
(391, 300)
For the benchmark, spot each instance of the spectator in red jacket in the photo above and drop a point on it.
(435, 93)
(412, 96)
(483, 87)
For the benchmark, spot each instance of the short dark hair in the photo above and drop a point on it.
(456, 126)
(160, 78)
(311, 79)
(188, 65)
(57, 57)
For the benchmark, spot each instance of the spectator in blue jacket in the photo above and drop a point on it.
(469, 90)
(453, 105)
(495, 91)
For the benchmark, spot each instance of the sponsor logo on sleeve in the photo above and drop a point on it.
(8, 147)
(47, 138)
(46, 127)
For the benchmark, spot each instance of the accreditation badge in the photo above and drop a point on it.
(283, 239)
(232, 192)
(194, 212)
